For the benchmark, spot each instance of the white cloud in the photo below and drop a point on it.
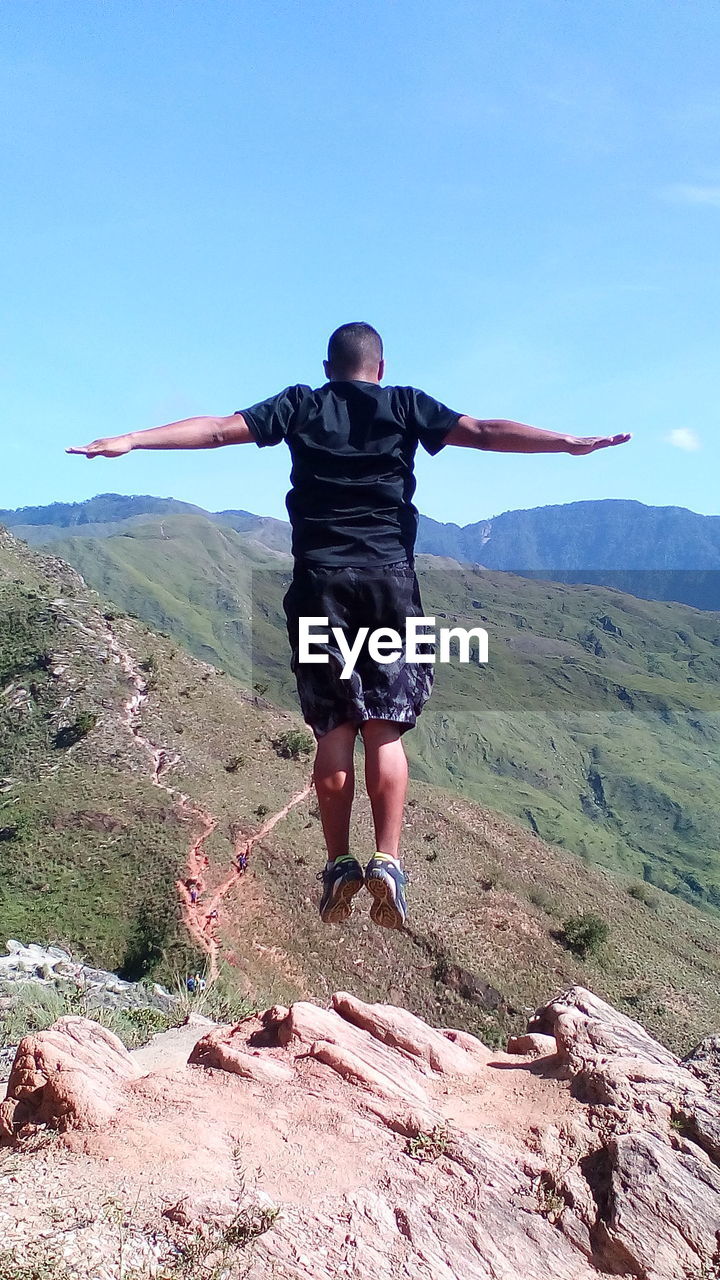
(686, 193)
(684, 438)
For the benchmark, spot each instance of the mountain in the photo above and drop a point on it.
(596, 721)
(656, 553)
(609, 535)
(110, 513)
(124, 761)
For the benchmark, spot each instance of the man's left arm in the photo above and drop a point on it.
(190, 433)
(502, 435)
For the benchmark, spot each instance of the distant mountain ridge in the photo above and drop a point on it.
(655, 553)
(609, 534)
(605, 534)
(104, 515)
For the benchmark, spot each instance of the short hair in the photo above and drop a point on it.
(354, 346)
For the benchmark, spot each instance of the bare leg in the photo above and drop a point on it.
(386, 776)
(334, 777)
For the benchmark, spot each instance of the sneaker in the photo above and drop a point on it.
(342, 879)
(385, 881)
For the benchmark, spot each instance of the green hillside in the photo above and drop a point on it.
(91, 848)
(596, 721)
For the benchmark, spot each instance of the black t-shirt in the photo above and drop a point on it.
(353, 449)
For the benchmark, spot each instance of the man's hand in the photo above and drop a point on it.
(579, 445)
(113, 447)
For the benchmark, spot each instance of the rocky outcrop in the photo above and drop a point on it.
(52, 966)
(386, 1147)
(654, 1173)
(69, 1077)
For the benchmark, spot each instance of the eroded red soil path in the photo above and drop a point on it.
(201, 915)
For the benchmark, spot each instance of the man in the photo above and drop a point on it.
(352, 443)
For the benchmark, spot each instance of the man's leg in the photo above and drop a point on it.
(386, 776)
(334, 777)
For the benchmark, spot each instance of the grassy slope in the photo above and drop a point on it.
(98, 847)
(596, 722)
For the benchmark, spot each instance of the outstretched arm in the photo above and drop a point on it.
(505, 436)
(191, 433)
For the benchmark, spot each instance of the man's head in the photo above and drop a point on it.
(355, 352)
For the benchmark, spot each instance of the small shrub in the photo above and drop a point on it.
(262, 811)
(293, 744)
(429, 1145)
(261, 687)
(143, 1024)
(151, 667)
(542, 899)
(644, 893)
(585, 934)
(550, 1202)
(70, 734)
(248, 1224)
(234, 763)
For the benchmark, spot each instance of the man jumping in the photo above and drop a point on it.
(352, 444)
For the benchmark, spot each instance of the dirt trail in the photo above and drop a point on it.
(200, 919)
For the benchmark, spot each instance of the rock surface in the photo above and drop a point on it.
(51, 966)
(388, 1147)
(69, 1077)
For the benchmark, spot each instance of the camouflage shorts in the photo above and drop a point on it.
(379, 596)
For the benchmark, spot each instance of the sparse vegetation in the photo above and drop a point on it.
(294, 744)
(70, 734)
(542, 899)
(644, 893)
(585, 934)
(93, 841)
(550, 1202)
(212, 1253)
(429, 1145)
(35, 1007)
(40, 1268)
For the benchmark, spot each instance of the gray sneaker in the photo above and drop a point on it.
(342, 879)
(386, 882)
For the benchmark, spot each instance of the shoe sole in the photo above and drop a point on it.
(384, 910)
(340, 908)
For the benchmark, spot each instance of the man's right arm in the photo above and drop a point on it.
(191, 433)
(502, 435)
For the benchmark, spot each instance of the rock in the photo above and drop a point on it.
(226, 1050)
(443, 1051)
(394, 1148)
(70, 1076)
(534, 1043)
(662, 1211)
(704, 1061)
(51, 966)
(654, 1176)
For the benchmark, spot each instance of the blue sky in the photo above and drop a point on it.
(523, 197)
